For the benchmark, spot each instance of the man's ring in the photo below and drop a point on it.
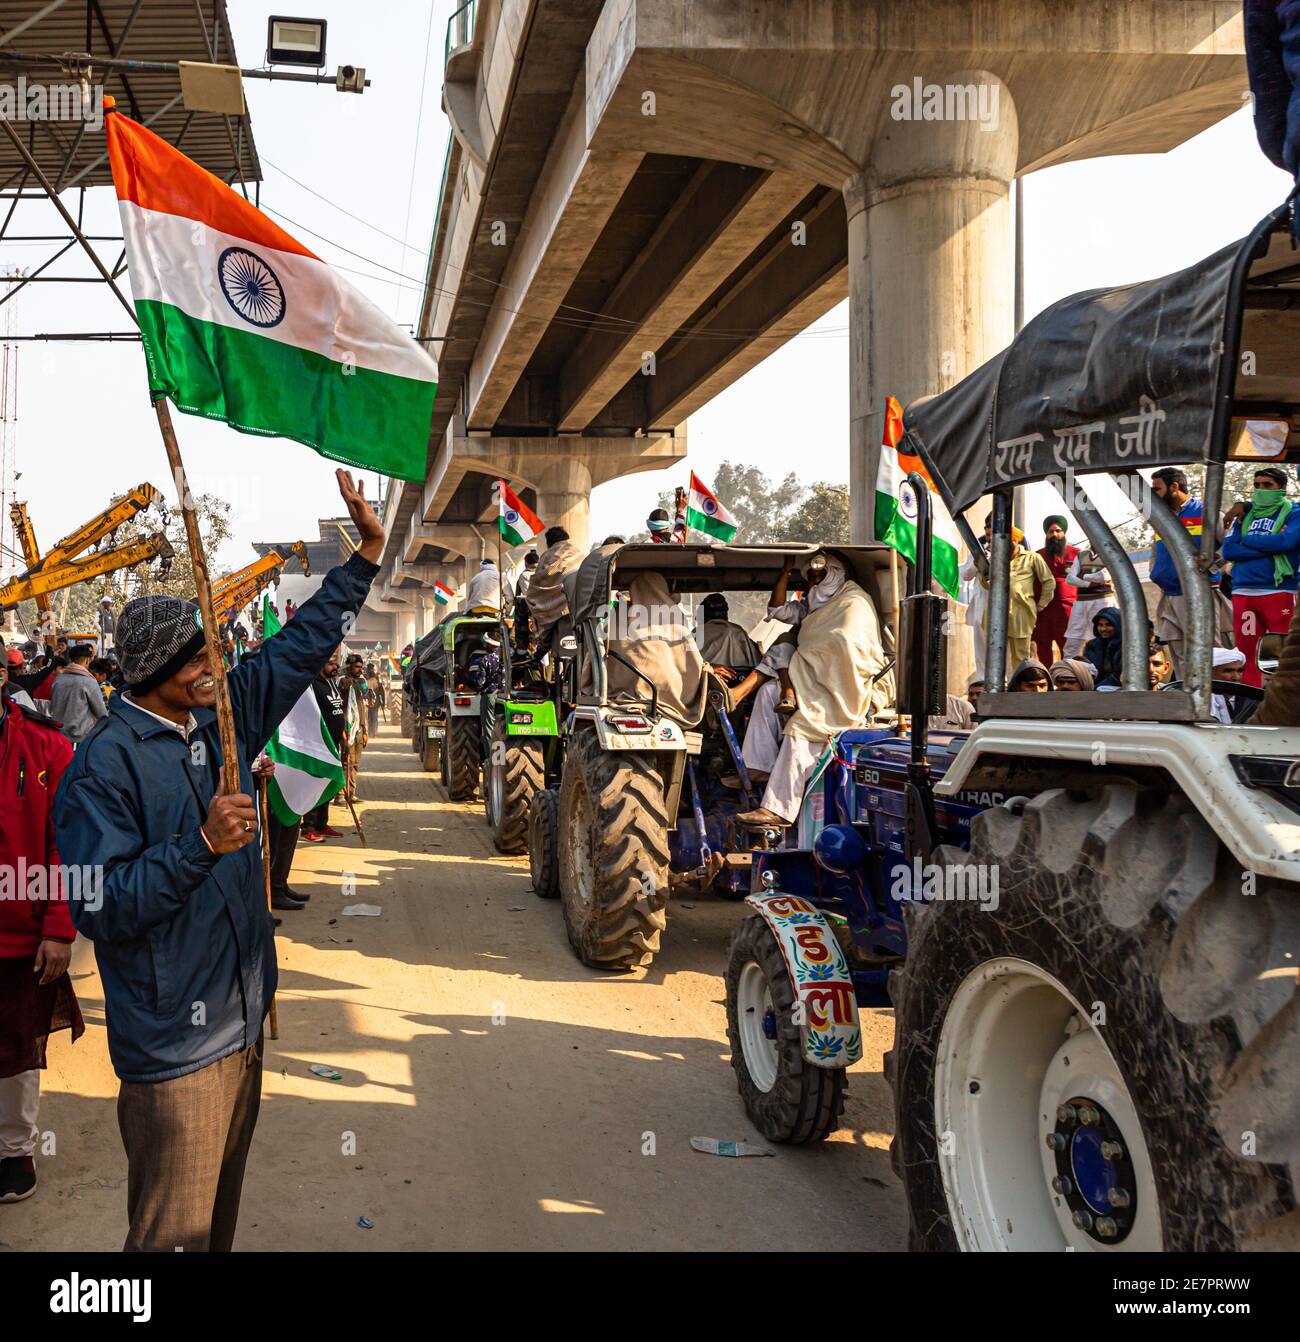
(248, 825)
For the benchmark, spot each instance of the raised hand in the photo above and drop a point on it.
(363, 516)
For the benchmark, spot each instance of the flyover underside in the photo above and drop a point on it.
(647, 198)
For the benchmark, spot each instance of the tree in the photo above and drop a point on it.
(77, 607)
(766, 512)
(821, 518)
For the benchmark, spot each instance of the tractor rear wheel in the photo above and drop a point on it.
(510, 785)
(408, 717)
(462, 757)
(544, 843)
(1095, 1036)
(786, 1097)
(613, 853)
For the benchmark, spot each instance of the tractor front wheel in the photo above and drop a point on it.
(786, 1097)
(544, 843)
(1094, 1036)
(514, 773)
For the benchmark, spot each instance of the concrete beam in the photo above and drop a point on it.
(785, 289)
(724, 213)
(807, 86)
(576, 193)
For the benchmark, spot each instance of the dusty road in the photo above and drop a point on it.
(496, 1094)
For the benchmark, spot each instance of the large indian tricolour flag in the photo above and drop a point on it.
(307, 764)
(895, 519)
(244, 324)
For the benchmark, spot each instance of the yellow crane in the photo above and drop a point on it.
(237, 589)
(61, 565)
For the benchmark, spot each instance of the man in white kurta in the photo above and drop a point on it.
(837, 673)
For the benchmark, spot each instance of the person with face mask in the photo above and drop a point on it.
(771, 677)
(837, 671)
(665, 530)
(1054, 618)
(1263, 546)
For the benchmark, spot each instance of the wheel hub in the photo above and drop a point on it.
(1093, 1171)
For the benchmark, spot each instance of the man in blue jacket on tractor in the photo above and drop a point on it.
(182, 933)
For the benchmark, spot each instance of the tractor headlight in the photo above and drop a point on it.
(839, 848)
(1277, 774)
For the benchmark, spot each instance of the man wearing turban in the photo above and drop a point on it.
(1059, 556)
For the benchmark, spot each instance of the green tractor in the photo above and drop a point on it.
(521, 735)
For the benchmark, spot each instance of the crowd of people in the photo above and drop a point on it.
(1063, 601)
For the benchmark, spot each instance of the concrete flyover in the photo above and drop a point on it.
(644, 198)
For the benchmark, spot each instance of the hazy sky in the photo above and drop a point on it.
(86, 430)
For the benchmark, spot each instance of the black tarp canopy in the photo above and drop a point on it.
(1145, 375)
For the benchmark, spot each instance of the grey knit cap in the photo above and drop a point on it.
(156, 636)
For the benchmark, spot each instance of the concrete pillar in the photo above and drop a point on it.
(930, 267)
(564, 495)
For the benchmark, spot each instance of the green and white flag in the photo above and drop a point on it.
(307, 764)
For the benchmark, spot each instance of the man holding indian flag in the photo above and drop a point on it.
(239, 323)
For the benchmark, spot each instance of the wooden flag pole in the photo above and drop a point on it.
(203, 589)
(225, 717)
(501, 562)
(263, 816)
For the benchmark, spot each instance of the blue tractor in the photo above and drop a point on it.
(1085, 912)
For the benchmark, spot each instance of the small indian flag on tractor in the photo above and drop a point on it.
(705, 514)
(442, 593)
(896, 507)
(516, 519)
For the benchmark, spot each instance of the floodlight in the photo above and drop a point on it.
(295, 41)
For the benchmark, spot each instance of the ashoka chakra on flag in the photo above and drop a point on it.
(251, 287)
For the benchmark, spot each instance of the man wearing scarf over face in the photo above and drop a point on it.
(1264, 547)
(1053, 618)
(838, 673)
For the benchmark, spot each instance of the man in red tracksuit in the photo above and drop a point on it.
(1055, 616)
(36, 933)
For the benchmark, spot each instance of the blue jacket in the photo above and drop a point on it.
(1162, 571)
(1107, 654)
(1272, 30)
(1252, 554)
(183, 938)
